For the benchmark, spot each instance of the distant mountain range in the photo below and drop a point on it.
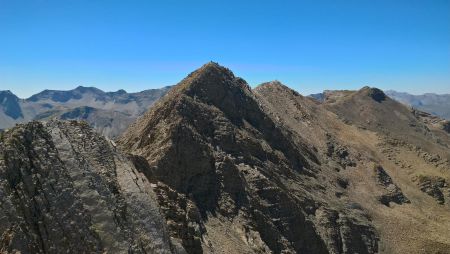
(108, 112)
(435, 104)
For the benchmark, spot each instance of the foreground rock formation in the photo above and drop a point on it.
(63, 188)
(218, 167)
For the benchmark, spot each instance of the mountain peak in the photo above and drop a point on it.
(211, 70)
(211, 83)
(212, 64)
(213, 141)
(376, 94)
(271, 84)
(84, 89)
(275, 85)
(9, 102)
(6, 92)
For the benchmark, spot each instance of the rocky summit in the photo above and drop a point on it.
(218, 167)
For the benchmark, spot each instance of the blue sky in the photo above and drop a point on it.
(308, 45)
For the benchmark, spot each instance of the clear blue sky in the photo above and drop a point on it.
(308, 45)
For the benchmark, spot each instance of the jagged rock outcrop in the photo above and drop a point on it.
(339, 153)
(63, 188)
(209, 144)
(446, 126)
(374, 93)
(433, 186)
(393, 192)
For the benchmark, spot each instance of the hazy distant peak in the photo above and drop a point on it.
(437, 104)
(85, 89)
(9, 104)
(6, 92)
(54, 95)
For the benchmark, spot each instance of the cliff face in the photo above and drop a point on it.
(240, 183)
(65, 188)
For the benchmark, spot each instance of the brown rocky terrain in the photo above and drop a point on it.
(398, 157)
(269, 170)
(217, 167)
(254, 184)
(63, 188)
